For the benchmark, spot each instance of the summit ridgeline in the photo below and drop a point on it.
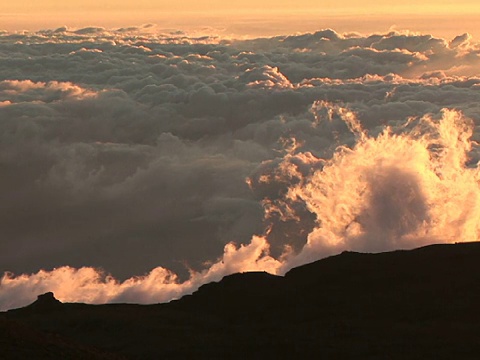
(406, 304)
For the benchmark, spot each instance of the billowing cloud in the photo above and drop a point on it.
(91, 285)
(126, 150)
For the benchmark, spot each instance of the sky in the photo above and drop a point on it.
(209, 5)
(248, 18)
(143, 159)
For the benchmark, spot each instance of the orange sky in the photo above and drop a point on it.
(369, 6)
(249, 17)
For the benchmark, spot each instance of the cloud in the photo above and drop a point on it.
(130, 150)
(401, 189)
(92, 285)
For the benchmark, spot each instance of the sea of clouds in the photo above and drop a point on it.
(136, 166)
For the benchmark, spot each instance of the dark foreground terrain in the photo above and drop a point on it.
(418, 304)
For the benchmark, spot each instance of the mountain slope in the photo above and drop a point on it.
(422, 303)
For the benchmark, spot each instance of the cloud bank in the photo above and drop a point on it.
(137, 166)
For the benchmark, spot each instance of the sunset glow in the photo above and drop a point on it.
(251, 18)
(149, 147)
(218, 5)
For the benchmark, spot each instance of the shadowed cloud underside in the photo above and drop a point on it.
(138, 165)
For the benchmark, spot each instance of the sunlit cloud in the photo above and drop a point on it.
(138, 164)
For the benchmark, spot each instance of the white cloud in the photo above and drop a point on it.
(163, 148)
(91, 285)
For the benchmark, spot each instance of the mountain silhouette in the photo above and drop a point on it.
(409, 304)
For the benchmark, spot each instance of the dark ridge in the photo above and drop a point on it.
(18, 341)
(415, 304)
(244, 295)
(46, 302)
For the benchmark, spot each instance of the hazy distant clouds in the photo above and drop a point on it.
(127, 151)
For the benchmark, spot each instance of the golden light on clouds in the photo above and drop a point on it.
(128, 133)
(248, 17)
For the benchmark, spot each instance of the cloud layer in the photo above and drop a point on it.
(126, 150)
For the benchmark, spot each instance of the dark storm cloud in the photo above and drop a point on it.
(127, 150)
